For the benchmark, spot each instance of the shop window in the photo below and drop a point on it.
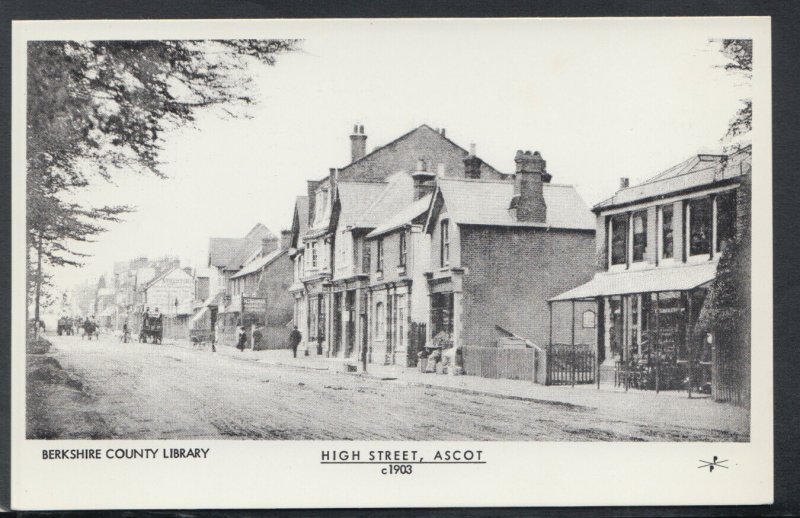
(726, 218)
(639, 236)
(700, 217)
(619, 239)
(444, 253)
(666, 232)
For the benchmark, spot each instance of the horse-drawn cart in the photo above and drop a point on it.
(152, 328)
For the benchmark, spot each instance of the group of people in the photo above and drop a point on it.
(86, 327)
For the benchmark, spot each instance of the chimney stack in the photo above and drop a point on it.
(423, 179)
(624, 182)
(268, 245)
(529, 187)
(472, 165)
(358, 143)
(286, 239)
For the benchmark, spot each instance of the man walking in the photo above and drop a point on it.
(242, 335)
(294, 340)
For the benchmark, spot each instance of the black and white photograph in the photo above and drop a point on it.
(405, 233)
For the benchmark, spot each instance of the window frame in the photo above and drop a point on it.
(688, 229)
(642, 213)
(444, 243)
(660, 232)
(379, 255)
(624, 216)
(402, 249)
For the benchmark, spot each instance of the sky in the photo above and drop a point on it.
(599, 103)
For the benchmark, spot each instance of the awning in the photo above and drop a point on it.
(198, 317)
(678, 278)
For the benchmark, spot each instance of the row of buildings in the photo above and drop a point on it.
(420, 241)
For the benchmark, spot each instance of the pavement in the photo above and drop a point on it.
(671, 407)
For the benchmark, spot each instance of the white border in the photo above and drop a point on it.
(249, 474)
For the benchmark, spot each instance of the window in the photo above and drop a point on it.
(380, 321)
(444, 253)
(365, 259)
(700, 217)
(619, 239)
(355, 255)
(666, 232)
(588, 318)
(403, 251)
(726, 218)
(379, 255)
(639, 236)
(313, 248)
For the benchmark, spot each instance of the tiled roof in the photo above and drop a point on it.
(230, 253)
(402, 154)
(677, 278)
(258, 263)
(301, 211)
(478, 202)
(355, 198)
(404, 216)
(394, 197)
(694, 172)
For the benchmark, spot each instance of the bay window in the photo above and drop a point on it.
(379, 255)
(403, 250)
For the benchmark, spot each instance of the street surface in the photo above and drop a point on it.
(112, 390)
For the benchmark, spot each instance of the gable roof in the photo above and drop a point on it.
(694, 172)
(480, 202)
(401, 154)
(230, 253)
(354, 198)
(259, 263)
(397, 194)
(407, 215)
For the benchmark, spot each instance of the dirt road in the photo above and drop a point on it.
(142, 391)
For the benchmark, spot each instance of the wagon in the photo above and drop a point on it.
(152, 328)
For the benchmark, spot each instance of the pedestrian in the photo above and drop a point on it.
(126, 334)
(295, 337)
(242, 334)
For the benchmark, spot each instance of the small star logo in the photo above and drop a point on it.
(713, 464)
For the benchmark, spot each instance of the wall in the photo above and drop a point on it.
(274, 285)
(510, 274)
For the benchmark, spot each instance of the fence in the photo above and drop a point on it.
(730, 375)
(498, 362)
(570, 364)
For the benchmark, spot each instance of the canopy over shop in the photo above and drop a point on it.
(646, 329)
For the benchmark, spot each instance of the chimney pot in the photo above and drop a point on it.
(443, 132)
(472, 150)
(624, 182)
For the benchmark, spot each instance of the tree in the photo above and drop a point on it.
(726, 311)
(99, 108)
(740, 60)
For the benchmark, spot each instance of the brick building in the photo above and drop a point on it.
(500, 249)
(658, 247)
(331, 255)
